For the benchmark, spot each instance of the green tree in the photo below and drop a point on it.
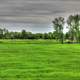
(1, 33)
(45, 36)
(58, 25)
(73, 25)
(23, 34)
(50, 35)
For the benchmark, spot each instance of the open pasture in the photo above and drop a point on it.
(25, 60)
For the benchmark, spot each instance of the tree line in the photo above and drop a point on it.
(73, 34)
(5, 34)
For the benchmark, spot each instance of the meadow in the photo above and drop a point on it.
(39, 60)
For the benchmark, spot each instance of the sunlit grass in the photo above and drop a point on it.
(41, 61)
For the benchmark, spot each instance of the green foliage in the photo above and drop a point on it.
(73, 35)
(5, 34)
(58, 25)
(74, 26)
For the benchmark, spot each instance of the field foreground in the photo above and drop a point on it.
(24, 61)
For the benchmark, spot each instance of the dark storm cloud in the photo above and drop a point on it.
(36, 11)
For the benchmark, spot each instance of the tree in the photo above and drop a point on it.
(23, 34)
(67, 36)
(1, 33)
(50, 35)
(58, 25)
(73, 25)
(29, 35)
(45, 36)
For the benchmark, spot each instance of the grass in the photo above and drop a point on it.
(18, 41)
(26, 60)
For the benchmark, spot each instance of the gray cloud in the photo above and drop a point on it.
(34, 15)
(36, 11)
(35, 28)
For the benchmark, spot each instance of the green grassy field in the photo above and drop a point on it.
(39, 60)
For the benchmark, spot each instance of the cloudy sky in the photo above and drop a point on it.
(34, 15)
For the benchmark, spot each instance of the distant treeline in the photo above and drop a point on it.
(73, 34)
(5, 34)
